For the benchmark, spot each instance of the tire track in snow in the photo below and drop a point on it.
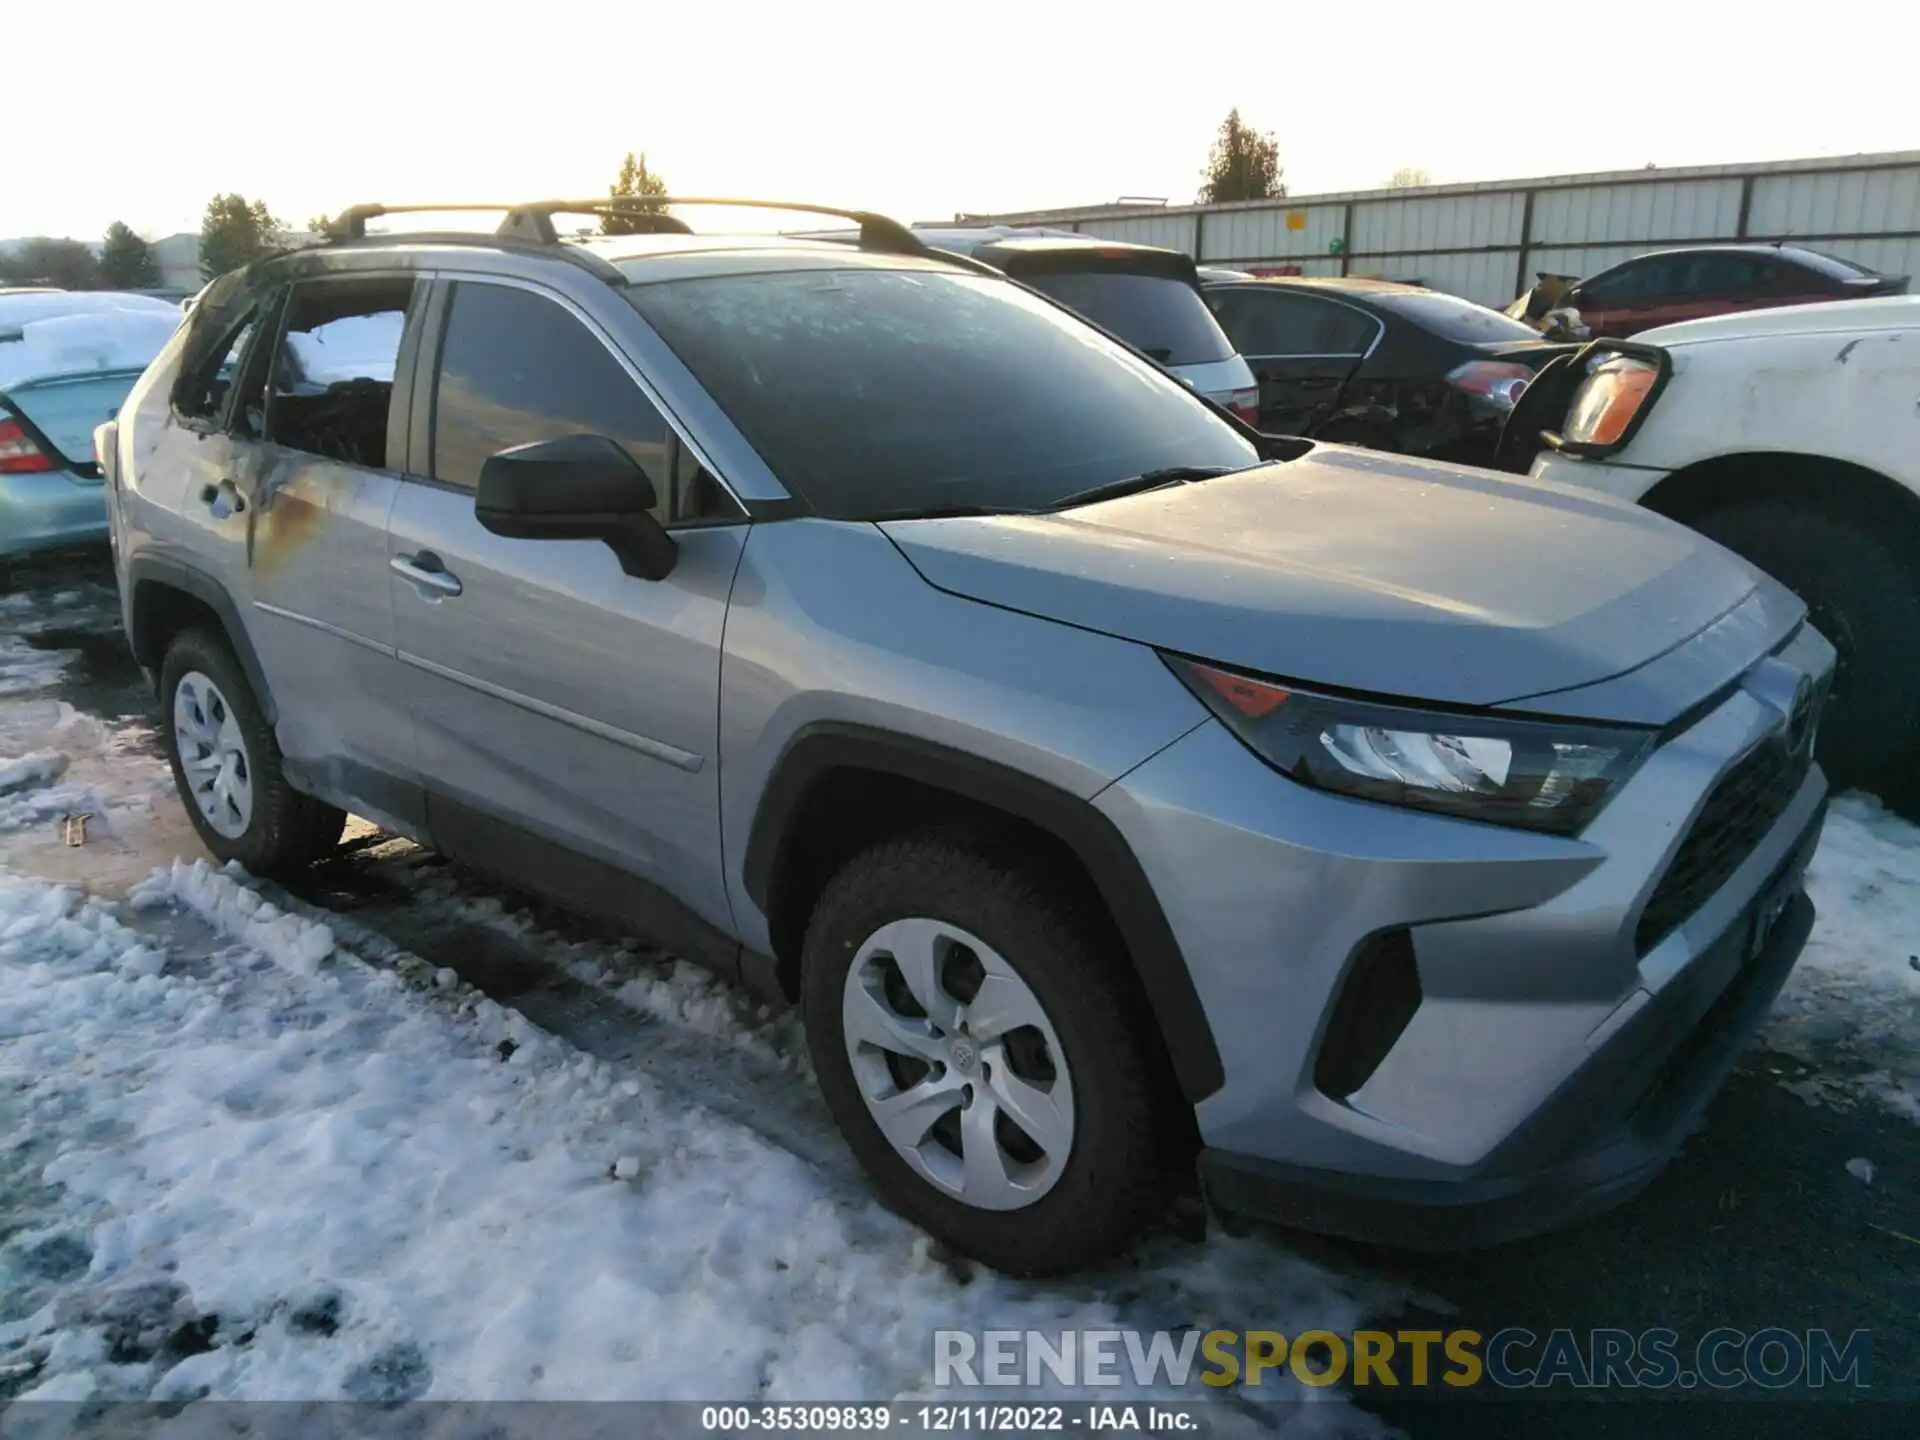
(726, 1080)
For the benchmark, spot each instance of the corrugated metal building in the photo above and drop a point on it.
(1487, 241)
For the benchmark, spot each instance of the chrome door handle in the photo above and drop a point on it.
(426, 574)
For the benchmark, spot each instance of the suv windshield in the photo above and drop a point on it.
(1452, 318)
(888, 393)
(1160, 316)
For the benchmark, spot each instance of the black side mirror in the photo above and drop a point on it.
(579, 487)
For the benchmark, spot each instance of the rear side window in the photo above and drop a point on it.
(1277, 322)
(202, 393)
(1832, 266)
(1161, 317)
(1721, 274)
(516, 367)
(1639, 280)
(879, 393)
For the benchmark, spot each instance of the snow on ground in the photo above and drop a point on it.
(23, 667)
(1852, 1004)
(71, 763)
(232, 1178)
(58, 760)
(643, 980)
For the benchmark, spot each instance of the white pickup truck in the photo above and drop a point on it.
(1792, 436)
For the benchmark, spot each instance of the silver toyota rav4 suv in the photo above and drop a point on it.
(1109, 784)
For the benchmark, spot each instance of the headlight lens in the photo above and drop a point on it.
(1608, 399)
(1536, 774)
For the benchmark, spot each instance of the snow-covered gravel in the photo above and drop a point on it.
(250, 1149)
(1852, 1003)
(250, 1164)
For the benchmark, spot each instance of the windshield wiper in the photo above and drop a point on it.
(1140, 484)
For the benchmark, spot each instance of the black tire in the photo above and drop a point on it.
(1864, 595)
(287, 830)
(1112, 1182)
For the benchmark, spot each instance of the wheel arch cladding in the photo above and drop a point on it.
(842, 761)
(169, 597)
(1841, 485)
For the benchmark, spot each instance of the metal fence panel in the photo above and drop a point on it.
(1482, 275)
(1443, 222)
(1486, 241)
(1848, 203)
(1272, 232)
(1174, 232)
(1647, 212)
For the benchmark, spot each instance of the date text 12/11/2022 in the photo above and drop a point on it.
(944, 1419)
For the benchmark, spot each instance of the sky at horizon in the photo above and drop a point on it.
(916, 111)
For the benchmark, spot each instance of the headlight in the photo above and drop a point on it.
(1537, 774)
(1608, 401)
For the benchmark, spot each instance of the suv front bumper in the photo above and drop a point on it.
(1667, 1061)
(1556, 1049)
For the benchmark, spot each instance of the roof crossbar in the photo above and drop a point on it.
(532, 221)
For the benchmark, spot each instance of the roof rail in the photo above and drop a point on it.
(532, 221)
(578, 255)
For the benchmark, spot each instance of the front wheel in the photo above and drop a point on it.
(1863, 595)
(970, 1036)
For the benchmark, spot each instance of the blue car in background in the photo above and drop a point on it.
(67, 361)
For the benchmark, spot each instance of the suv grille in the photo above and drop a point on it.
(1741, 810)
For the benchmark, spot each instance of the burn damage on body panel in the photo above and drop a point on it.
(282, 519)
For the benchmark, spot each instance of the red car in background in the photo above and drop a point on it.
(1666, 286)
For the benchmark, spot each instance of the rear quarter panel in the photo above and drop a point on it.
(151, 469)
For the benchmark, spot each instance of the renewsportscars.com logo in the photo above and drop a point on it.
(1515, 1358)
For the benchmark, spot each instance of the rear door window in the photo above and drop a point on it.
(1162, 317)
(1623, 285)
(330, 388)
(1720, 275)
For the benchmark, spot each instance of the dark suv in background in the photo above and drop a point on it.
(1668, 286)
(1147, 296)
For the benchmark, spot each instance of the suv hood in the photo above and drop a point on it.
(1358, 570)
